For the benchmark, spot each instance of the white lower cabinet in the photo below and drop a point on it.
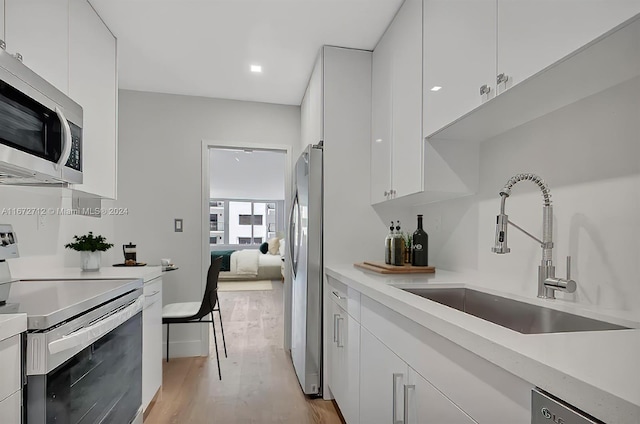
(344, 359)
(10, 409)
(427, 405)
(151, 341)
(382, 376)
(393, 392)
(11, 380)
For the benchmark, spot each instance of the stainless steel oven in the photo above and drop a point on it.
(40, 128)
(84, 350)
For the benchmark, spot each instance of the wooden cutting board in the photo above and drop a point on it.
(383, 268)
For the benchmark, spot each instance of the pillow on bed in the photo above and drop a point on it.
(274, 244)
(281, 248)
(264, 247)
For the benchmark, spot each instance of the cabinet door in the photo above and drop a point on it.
(382, 376)
(406, 100)
(10, 358)
(151, 341)
(424, 404)
(336, 383)
(312, 123)
(459, 57)
(348, 360)
(381, 116)
(93, 84)
(39, 30)
(533, 34)
(11, 409)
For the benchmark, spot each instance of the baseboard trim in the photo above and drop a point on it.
(182, 349)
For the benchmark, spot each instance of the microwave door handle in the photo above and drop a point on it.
(66, 139)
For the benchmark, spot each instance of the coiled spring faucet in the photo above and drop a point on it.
(547, 281)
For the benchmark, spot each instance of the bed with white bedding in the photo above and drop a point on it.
(251, 264)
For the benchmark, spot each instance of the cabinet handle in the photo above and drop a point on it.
(395, 401)
(339, 341)
(335, 331)
(335, 293)
(502, 78)
(485, 89)
(152, 294)
(407, 387)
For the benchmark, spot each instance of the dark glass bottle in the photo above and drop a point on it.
(420, 248)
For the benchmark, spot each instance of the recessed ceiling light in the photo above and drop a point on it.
(378, 140)
(436, 88)
(256, 68)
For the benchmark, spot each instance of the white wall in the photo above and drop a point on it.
(239, 175)
(589, 154)
(41, 242)
(160, 178)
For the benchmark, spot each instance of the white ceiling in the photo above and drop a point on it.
(206, 47)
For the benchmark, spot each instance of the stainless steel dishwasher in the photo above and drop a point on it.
(546, 409)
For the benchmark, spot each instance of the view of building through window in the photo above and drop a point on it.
(246, 222)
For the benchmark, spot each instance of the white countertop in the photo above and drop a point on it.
(147, 273)
(12, 324)
(596, 371)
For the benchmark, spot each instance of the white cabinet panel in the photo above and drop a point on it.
(382, 376)
(406, 164)
(459, 57)
(10, 409)
(534, 34)
(426, 405)
(93, 84)
(396, 128)
(10, 360)
(381, 117)
(311, 109)
(38, 29)
(151, 341)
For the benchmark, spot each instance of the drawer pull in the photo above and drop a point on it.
(335, 293)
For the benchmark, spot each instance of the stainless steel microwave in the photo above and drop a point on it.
(40, 129)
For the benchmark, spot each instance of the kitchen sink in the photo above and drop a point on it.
(519, 316)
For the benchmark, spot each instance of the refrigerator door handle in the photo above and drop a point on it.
(291, 243)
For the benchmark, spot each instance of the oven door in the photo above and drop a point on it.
(100, 384)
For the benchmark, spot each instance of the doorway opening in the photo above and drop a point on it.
(245, 197)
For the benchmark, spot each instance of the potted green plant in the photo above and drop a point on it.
(89, 247)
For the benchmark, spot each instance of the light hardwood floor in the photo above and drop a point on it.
(258, 381)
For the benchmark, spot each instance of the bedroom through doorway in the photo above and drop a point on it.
(247, 216)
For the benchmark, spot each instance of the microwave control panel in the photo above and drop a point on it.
(75, 157)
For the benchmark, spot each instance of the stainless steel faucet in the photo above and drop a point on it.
(547, 281)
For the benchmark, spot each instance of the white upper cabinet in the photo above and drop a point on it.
(93, 84)
(459, 57)
(381, 131)
(534, 34)
(38, 30)
(406, 164)
(396, 152)
(311, 109)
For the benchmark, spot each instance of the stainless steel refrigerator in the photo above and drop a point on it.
(305, 241)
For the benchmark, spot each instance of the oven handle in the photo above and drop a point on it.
(92, 333)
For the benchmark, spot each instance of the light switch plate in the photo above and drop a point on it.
(177, 225)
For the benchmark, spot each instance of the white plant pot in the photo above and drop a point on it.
(90, 261)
